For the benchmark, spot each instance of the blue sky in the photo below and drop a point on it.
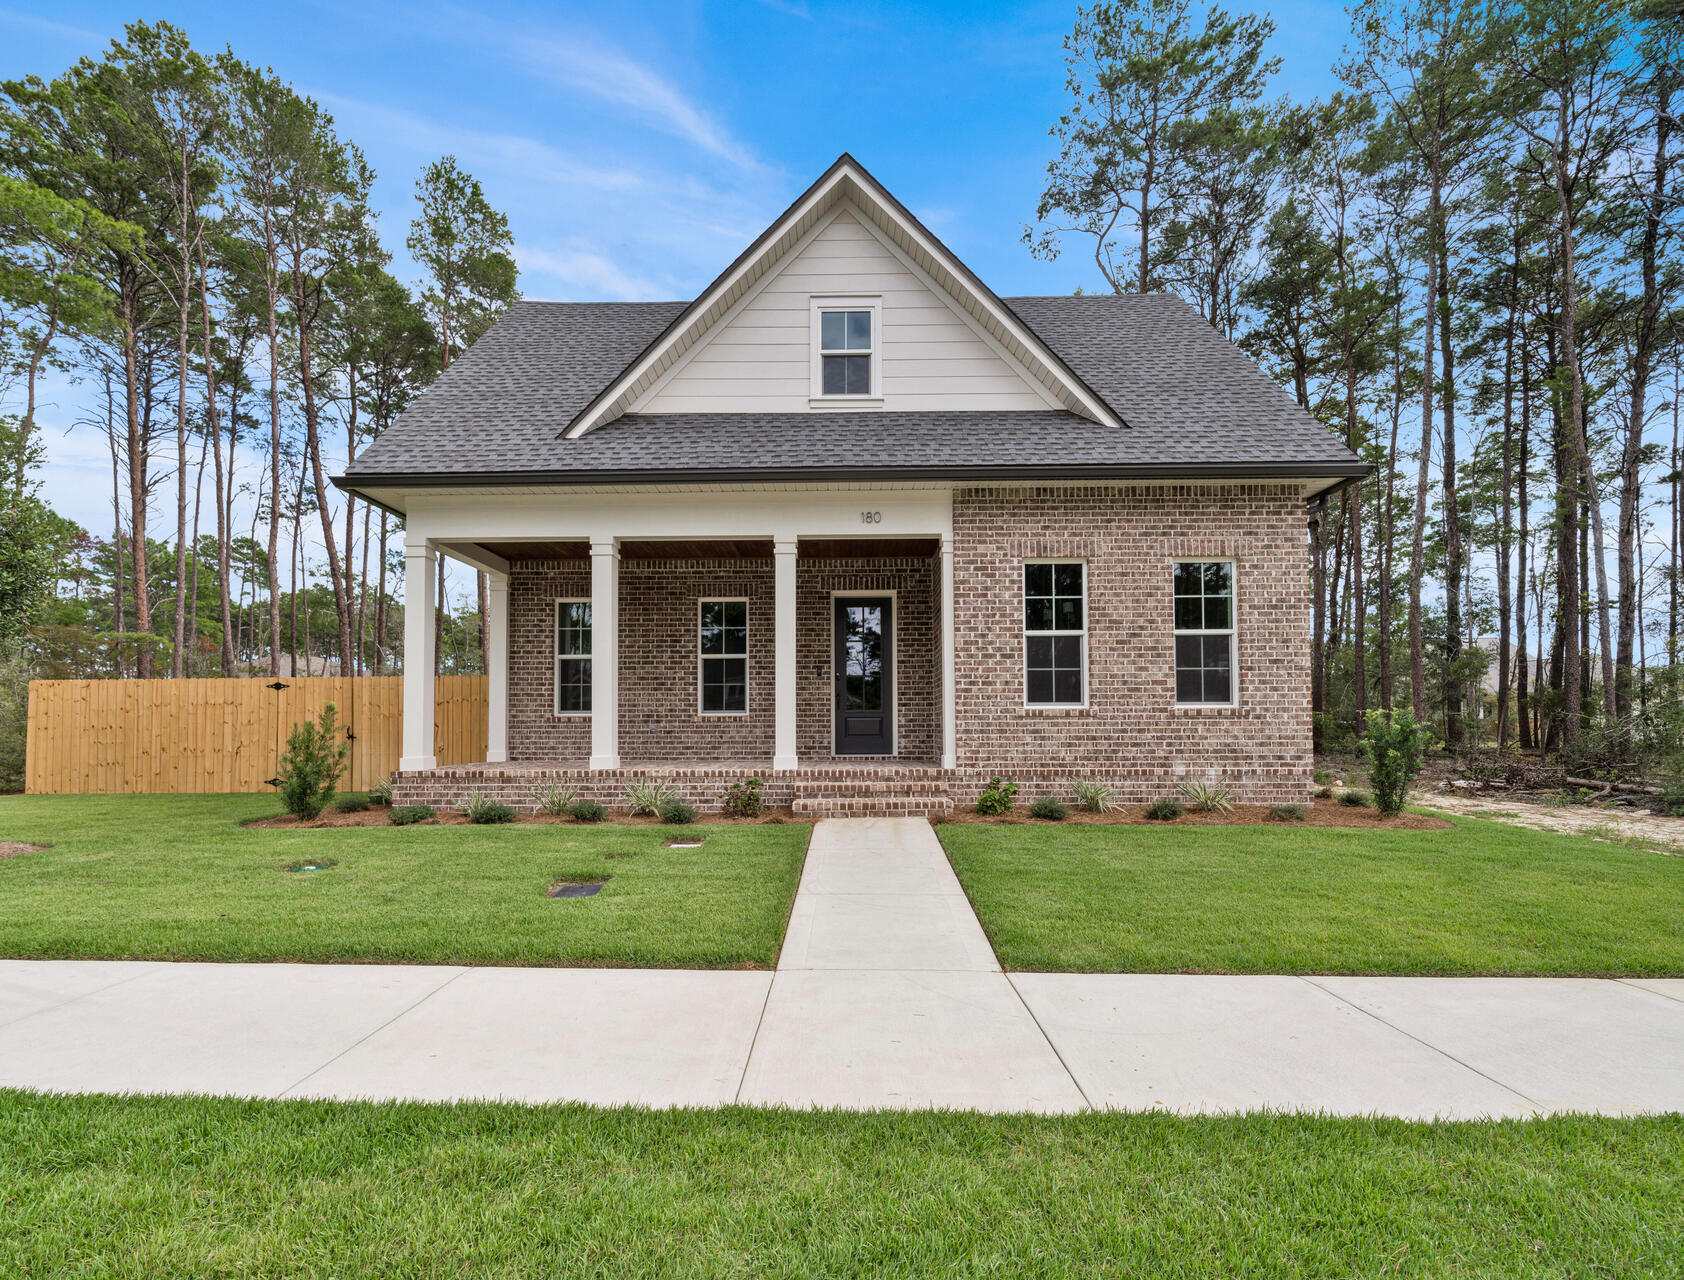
(638, 148)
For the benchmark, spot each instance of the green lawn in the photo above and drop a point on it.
(176, 877)
(1483, 897)
(145, 1187)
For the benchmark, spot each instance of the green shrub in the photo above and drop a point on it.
(1095, 797)
(677, 812)
(1207, 797)
(310, 768)
(1285, 813)
(1671, 800)
(351, 804)
(1164, 809)
(1325, 777)
(404, 814)
(1355, 799)
(587, 811)
(486, 812)
(1324, 793)
(381, 792)
(1393, 747)
(644, 799)
(1049, 808)
(743, 799)
(997, 796)
(554, 799)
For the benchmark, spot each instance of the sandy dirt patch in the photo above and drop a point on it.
(1616, 822)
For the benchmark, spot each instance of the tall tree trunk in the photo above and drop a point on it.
(1572, 711)
(1452, 514)
(272, 290)
(138, 447)
(117, 616)
(1505, 508)
(313, 451)
(1642, 359)
(1417, 542)
(380, 605)
(1522, 701)
(223, 483)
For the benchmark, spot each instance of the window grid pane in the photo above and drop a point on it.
(1204, 626)
(723, 637)
(1054, 620)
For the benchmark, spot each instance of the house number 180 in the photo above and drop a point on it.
(871, 517)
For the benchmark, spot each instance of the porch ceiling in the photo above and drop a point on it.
(719, 549)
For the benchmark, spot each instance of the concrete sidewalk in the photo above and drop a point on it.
(887, 995)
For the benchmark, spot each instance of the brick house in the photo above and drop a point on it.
(852, 523)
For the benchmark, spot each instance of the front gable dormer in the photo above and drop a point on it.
(758, 339)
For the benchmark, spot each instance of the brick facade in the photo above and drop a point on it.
(1132, 733)
(659, 715)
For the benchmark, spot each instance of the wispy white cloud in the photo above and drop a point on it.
(588, 63)
(48, 27)
(581, 268)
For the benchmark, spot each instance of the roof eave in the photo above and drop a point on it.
(1331, 471)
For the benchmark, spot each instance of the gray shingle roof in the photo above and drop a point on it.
(1193, 404)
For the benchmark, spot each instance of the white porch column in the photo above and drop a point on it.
(783, 659)
(497, 679)
(605, 654)
(419, 562)
(949, 702)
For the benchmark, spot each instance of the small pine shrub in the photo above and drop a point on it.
(554, 799)
(1164, 809)
(381, 792)
(350, 804)
(997, 796)
(405, 814)
(1094, 797)
(310, 768)
(1324, 793)
(677, 812)
(644, 799)
(1207, 797)
(587, 811)
(486, 812)
(1049, 809)
(1393, 746)
(1285, 813)
(743, 799)
(1325, 777)
(1355, 799)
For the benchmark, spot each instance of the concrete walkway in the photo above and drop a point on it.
(887, 995)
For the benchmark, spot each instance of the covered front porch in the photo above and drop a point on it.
(692, 649)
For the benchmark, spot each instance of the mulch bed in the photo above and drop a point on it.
(377, 817)
(12, 849)
(1323, 813)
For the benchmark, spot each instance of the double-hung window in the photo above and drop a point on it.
(1204, 632)
(723, 651)
(1055, 633)
(573, 657)
(846, 347)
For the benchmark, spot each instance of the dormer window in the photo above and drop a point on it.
(846, 348)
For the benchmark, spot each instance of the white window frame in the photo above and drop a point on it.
(701, 657)
(1232, 630)
(864, 302)
(557, 657)
(1023, 627)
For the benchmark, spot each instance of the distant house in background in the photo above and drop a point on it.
(851, 522)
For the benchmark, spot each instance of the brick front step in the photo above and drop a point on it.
(874, 806)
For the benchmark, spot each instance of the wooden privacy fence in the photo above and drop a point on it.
(112, 736)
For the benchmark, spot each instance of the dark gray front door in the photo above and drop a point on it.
(865, 676)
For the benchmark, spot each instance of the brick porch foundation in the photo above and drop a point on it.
(886, 790)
